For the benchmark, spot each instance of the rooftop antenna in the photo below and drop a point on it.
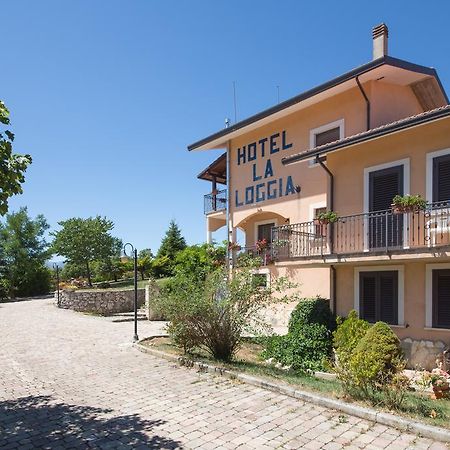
(227, 122)
(278, 94)
(234, 99)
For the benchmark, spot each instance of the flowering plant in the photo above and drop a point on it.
(261, 244)
(234, 246)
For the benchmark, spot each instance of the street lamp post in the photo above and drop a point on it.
(56, 268)
(134, 253)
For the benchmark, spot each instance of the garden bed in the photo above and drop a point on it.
(417, 405)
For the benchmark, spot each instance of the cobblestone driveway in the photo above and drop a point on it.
(69, 380)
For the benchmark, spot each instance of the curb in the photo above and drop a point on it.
(429, 431)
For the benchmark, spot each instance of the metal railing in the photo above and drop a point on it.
(266, 254)
(215, 202)
(370, 232)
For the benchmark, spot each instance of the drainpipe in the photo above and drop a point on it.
(331, 207)
(367, 103)
(229, 229)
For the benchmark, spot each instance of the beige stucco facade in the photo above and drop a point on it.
(264, 189)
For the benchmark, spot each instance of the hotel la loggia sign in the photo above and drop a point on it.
(264, 185)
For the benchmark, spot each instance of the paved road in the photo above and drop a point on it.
(72, 381)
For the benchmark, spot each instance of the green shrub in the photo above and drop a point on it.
(347, 336)
(376, 358)
(307, 346)
(5, 287)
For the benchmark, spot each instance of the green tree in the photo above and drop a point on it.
(144, 265)
(172, 243)
(12, 166)
(109, 269)
(82, 241)
(24, 252)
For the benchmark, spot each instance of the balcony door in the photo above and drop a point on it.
(385, 228)
(265, 232)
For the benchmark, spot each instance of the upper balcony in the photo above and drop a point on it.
(215, 202)
(368, 234)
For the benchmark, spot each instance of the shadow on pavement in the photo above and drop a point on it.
(42, 422)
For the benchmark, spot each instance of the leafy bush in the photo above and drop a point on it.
(371, 368)
(214, 313)
(5, 287)
(307, 346)
(347, 336)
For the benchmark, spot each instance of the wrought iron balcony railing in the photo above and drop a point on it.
(215, 202)
(380, 231)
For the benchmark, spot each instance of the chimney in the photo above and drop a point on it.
(380, 41)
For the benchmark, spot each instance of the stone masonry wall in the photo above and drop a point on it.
(100, 302)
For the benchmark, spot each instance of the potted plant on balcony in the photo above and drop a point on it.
(261, 245)
(408, 203)
(324, 218)
(234, 246)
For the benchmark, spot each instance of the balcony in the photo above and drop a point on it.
(369, 233)
(215, 202)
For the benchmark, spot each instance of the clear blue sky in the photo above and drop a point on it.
(106, 95)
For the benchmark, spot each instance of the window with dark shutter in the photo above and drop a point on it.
(378, 296)
(265, 232)
(327, 136)
(441, 298)
(441, 178)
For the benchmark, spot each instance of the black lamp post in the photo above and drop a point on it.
(134, 253)
(56, 268)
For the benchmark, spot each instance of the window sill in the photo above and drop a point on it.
(436, 329)
(398, 326)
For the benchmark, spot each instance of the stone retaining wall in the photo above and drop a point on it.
(151, 291)
(104, 302)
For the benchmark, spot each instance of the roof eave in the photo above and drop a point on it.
(389, 60)
(366, 137)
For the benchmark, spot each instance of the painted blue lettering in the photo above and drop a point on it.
(252, 151)
(260, 196)
(271, 194)
(273, 143)
(255, 177)
(241, 155)
(283, 140)
(263, 144)
(280, 186)
(249, 195)
(237, 202)
(269, 170)
(290, 189)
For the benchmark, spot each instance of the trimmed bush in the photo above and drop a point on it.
(307, 346)
(347, 336)
(377, 357)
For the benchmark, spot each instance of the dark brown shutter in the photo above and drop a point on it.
(379, 296)
(388, 301)
(441, 179)
(265, 231)
(367, 293)
(327, 136)
(384, 185)
(441, 298)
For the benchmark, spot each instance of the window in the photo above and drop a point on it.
(260, 279)
(265, 232)
(378, 296)
(441, 178)
(325, 134)
(441, 298)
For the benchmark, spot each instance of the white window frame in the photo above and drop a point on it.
(313, 207)
(263, 222)
(401, 288)
(429, 294)
(429, 168)
(406, 190)
(328, 126)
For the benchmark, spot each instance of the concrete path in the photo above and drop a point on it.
(72, 381)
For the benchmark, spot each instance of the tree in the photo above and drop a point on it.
(144, 265)
(82, 241)
(172, 243)
(24, 252)
(12, 166)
